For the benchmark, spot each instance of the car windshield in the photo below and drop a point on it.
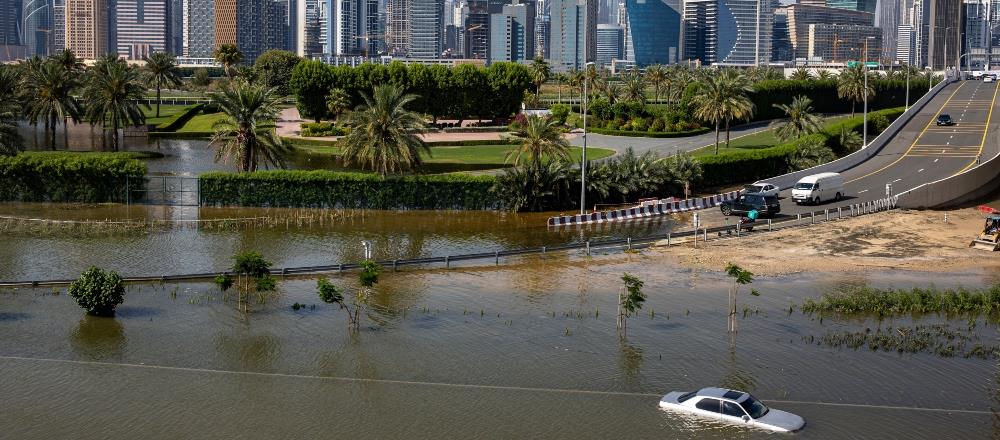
(944, 117)
(753, 188)
(801, 185)
(754, 407)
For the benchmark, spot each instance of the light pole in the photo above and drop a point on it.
(583, 157)
(907, 88)
(930, 78)
(864, 142)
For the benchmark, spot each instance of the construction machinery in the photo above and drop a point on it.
(989, 239)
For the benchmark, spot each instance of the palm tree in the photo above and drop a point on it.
(540, 138)
(824, 75)
(851, 85)
(68, 59)
(113, 91)
(738, 106)
(228, 55)
(161, 69)
(613, 91)
(560, 79)
(338, 101)
(384, 134)
(540, 72)
(849, 140)
(811, 153)
(10, 110)
(656, 75)
(634, 87)
(722, 98)
(801, 120)
(245, 135)
(685, 170)
(49, 96)
(801, 74)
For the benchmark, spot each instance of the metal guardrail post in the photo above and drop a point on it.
(768, 224)
(827, 211)
(628, 241)
(543, 249)
(496, 255)
(588, 247)
(668, 238)
(840, 212)
(798, 218)
(737, 229)
(394, 265)
(706, 234)
(447, 263)
(340, 268)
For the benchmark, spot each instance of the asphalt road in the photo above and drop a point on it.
(922, 151)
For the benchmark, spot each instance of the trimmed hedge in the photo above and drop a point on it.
(70, 177)
(177, 121)
(888, 94)
(329, 189)
(322, 129)
(752, 165)
(666, 134)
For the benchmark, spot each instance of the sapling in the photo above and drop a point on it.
(740, 277)
(630, 299)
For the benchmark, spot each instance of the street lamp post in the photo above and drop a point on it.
(583, 157)
(864, 141)
(907, 88)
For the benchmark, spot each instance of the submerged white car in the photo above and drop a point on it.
(733, 407)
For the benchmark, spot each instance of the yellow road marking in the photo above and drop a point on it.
(983, 143)
(931, 121)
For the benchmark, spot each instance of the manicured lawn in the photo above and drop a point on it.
(472, 154)
(762, 139)
(201, 123)
(166, 111)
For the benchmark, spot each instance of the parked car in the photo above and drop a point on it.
(987, 78)
(762, 188)
(944, 119)
(733, 407)
(766, 206)
(818, 188)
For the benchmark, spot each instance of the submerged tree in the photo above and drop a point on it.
(10, 140)
(112, 93)
(630, 299)
(331, 294)
(98, 292)
(253, 275)
(740, 277)
(540, 139)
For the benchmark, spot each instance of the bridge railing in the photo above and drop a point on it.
(955, 190)
(854, 159)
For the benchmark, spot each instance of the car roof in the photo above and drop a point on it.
(722, 393)
(813, 178)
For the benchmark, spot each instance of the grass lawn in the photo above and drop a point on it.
(471, 154)
(166, 111)
(761, 139)
(200, 123)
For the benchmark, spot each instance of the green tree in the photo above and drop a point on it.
(656, 76)
(245, 134)
(540, 72)
(801, 74)
(48, 94)
(113, 91)
(825, 75)
(161, 69)
(801, 119)
(536, 188)
(507, 84)
(851, 85)
(311, 81)
(384, 134)
(738, 106)
(540, 139)
(849, 140)
(627, 176)
(685, 170)
(253, 275)
(721, 98)
(229, 56)
(809, 153)
(740, 277)
(10, 110)
(69, 61)
(337, 102)
(274, 67)
(98, 292)
(201, 78)
(634, 87)
(630, 299)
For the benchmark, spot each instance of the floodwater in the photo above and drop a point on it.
(521, 351)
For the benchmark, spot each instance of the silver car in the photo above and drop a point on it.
(731, 406)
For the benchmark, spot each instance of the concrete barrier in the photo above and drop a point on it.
(874, 147)
(955, 190)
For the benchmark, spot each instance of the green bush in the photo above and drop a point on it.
(888, 94)
(560, 112)
(657, 126)
(69, 177)
(328, 189)
(98, 292)
(877, 123)
(322, 129)
(613, 130)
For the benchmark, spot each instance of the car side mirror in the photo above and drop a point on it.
(746, 419)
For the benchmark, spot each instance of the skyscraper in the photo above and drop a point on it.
(142, 27)
(512, 33)
(853, 5)
(199, 34)
(801, 16)
(9, 22)
(610, 43)
(737, 31)
(35, 26)
(87, 28)
(58, 25)
(654, 27)
(476, 32)
(701, 30)
(940, 46)
(573, 33)
(414, 28)
(888, 17)
(308, 30)
(254, 26)
(355, 27)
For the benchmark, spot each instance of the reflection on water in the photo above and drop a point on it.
(630, 361)
(247, 351)
(98, 338)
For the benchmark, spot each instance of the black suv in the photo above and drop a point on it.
(766, 206)
(944, 120)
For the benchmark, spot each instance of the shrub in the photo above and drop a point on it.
(98, 292)
(69, 177)
(322, 129)
(657, 126)
(639, 124)
(560, 112)
(877, 123)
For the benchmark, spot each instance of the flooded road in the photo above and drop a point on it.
(522, 351)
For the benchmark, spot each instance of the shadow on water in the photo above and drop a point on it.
(137, 312)
(13, 316)
(247, 351)
(98, 338)
(630, 361)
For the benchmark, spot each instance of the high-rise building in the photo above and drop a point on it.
(940, 46)
(476, 32)
(853, 5)
(701, 30)
(142, 27)
(512, 33)
(888, 17)
(308, 29)
(354, 27)
(199, 28)
(415, 28)
(904, 44)
(573, 33)
(35, 26)
(58, 25)
(543, 27)
(801, 16)
(87, 28)
(839, 43)
(254, 26)
(781, 41)
(982, 42)
(724, 31)
(9, 22)
(610, 44)
(655, 28)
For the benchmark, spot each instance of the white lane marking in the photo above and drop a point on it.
(862, 191)
(897, 180)
(935, 160)
(942, 150)
(920, 170)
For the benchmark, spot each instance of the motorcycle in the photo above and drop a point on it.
(746, 224)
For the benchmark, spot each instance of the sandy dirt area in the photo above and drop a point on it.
(910, 240)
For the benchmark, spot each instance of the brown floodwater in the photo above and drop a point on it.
(527, 350)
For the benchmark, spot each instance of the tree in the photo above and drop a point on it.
(536, 188)
(274, 67)
(69, 60)
(630, 299)
(801, 74)
(810, 153)
(801, 119)
(740, 277)
(849, 140)
(540, 72)
(98, 292)
(311, 81)
(722, 98)
(612, 91)
(634, 87)
(161, 69)
(228, 55)
(825, 75)
(10, 111)
(48, 94)
(738, 106)
(253, 274)
(685, 170)
(337, 102)
(113, 91)
(331, 294)
(851, 85)
(245, 134)
(507, 84)
(627, 176)
(201, 78)
(656, 75)
(540, 138)
(384, 133)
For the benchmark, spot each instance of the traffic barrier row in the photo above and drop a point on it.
(649, 209)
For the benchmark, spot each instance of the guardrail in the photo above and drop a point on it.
(955, 190)
(628, 243)
(854, 159)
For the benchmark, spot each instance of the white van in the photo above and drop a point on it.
(818, 188)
